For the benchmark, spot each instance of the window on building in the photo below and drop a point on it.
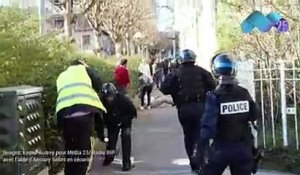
(58, 23)
(82, 24)
(55, 1)
(86, 40)
(86, 24)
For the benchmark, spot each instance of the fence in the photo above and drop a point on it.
(276, 89)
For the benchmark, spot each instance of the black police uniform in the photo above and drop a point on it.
(174, 65)
(119, 116)
(165, 65)
(188, 86)
(228, 111)
(158, 75)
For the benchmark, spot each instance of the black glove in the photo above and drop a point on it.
(197, 158)
(258, 155)
(101, 138)
(99, 127)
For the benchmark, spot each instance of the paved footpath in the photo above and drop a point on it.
(157, 147)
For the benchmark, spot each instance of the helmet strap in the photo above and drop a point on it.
(230, 80)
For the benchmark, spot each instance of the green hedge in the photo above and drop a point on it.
(40, 66)
(105, 68)
(31, 59)
(282, 160)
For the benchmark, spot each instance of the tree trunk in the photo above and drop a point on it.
(67, 19)
(118, 46)
(98, 44)
(132, 47)
(128, 49)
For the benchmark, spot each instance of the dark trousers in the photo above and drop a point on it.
(190, 119)
(113, 133)
(146, 90)
(76, 132)
(158, 78)
(238, 156)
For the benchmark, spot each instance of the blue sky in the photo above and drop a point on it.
(4, 2)
(165, 16)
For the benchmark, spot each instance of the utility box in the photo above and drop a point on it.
(21, 129)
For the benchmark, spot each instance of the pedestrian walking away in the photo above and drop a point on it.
(76, 106)
(188, 86)
(145, 84)
(119, 116)
(121, 76)
(158, 76)
(229, 111)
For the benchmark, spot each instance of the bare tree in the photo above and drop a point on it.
(137, 16)
(67, 9)
(95, 12)
(151, 33)
(122, 19)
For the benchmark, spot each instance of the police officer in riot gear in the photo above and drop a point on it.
(166, 66)
(120, 112)
(174, 64)
(228, 111)
(188, 85)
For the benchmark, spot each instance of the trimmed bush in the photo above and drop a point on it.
(106, 70)
(282, 160)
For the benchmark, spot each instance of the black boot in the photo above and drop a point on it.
(107, 161)
(127, 166)
(257, 158)
(197, 172)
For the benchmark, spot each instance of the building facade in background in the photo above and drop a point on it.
(165, 15)
(195, 20)
(83, 33)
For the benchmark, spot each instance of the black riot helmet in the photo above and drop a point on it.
(223, 65)
(188, 55)
(108, 89)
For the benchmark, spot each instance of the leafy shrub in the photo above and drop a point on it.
(110, 64)
(282, 160)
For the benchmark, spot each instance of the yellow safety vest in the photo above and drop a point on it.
(74, 86)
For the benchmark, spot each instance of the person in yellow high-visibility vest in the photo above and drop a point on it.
(76, 106)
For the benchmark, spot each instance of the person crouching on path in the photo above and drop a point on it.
(120, 113)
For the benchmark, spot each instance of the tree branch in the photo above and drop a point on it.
(282, 12)
(89, 7)
(232, 4)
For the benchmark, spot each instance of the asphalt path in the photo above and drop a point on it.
(157, 147)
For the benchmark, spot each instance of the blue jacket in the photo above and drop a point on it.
(209, 119)
(208, 127)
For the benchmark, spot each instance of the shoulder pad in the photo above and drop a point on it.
(242, 88)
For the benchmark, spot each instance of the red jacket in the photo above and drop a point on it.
(121, 76)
